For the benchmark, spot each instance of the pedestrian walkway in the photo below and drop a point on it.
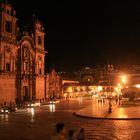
(125, 113)
(96, 109)
(101, 111)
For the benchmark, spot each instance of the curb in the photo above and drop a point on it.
(102, 118)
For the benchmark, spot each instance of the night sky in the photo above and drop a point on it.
(86, 33)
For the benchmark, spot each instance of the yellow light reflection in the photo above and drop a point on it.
(31, 111)
(122, 113)
(4, 117)
(52, 107)
(80, 99)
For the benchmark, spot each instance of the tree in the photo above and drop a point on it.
(130, 95)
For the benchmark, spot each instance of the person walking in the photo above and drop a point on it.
(60, 132)
(71, 135)
(81, 135)
(116, 100)
(110, 107)
(120, 100)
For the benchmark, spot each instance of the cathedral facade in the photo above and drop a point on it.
(22, 65)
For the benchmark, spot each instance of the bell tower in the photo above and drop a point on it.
(8, 21)
(39, 46)
(7, 36)
(39, 35)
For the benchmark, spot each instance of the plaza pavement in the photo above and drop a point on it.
(101, 111)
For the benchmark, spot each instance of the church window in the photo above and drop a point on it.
(39, 58)
(39, 40)
(25, 65)
(8, 12)
(40, 72)
(8, 50)
(8, 26)
(7, 67)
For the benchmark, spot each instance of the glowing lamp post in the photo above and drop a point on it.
(123, 79)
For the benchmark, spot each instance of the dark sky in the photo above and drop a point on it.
(86, 33)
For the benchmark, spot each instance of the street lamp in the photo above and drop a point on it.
(124, 79)
(137, 86)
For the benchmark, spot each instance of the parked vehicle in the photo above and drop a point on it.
(4, 111)
(54, 101)
(7, 110)
(33, 104)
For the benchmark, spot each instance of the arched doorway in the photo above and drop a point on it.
(53, 94)
(25, 93)
(25, 72)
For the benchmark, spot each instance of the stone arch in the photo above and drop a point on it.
(25, 73)
(25, 93)
(7, 67)
(26, 40)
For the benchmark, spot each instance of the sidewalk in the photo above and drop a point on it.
(96, 110)
(100, 111)
(125, 113)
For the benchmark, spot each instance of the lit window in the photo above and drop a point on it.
(39, 40)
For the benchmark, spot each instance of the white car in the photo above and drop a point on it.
(4, 111)
(54, 101)
(33, 104)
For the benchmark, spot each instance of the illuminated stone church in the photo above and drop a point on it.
(22, 54)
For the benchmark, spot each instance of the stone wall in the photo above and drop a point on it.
(47, 85)
(7, 89)
(40, 87)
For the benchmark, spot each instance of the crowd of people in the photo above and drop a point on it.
(63, 134)
(116, 98)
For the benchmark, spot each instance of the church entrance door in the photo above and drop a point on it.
(25, 93)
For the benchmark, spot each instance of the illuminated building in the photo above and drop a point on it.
(22, 75)
(55, 88)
